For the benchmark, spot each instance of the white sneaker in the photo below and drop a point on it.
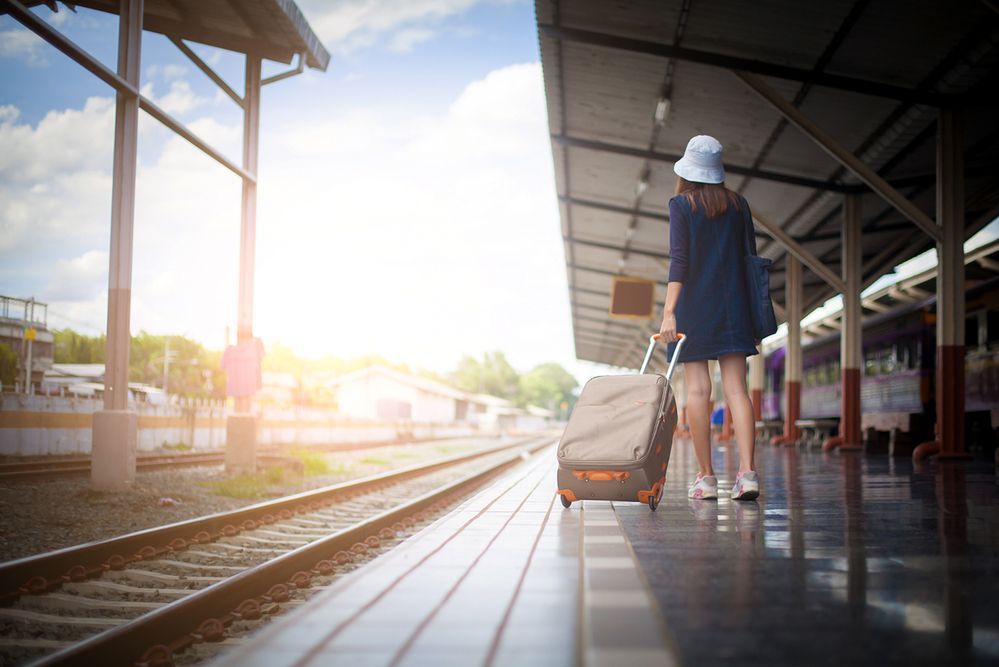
(747, 486)
(704, 486)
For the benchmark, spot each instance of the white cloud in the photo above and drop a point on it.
(23, 45)
(166, 72)
(180, 99)
(418, 237)
(404, 40)
(352, 24)
(8, 113)
(62, 141)
(82, 278)
(429, 237)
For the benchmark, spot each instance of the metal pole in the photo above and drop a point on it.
(123, 209)
(248, 225)
(850, 337)
(950, 285)
(756, 381)
(792, 362)
(166, 363)
(241, 427)
(28, 384)
(112, 462)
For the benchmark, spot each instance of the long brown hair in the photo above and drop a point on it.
(714, 197)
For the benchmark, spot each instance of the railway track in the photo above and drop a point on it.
(144, 597)
(70, 466)
(44, 467)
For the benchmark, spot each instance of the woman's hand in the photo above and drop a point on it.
(668, 328)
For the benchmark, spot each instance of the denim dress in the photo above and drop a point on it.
(707, 256)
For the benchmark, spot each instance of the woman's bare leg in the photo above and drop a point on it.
(695, 374)
(733, 373)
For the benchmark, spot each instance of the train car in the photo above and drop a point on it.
(897, 389)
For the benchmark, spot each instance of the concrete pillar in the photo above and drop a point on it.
(851, 345)
(793, 360)
(950, 285)
(756, 381)
(112, 464)
(241, 439)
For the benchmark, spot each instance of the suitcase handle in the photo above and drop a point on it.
(672, 362)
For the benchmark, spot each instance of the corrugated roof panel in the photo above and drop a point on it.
(610, 93)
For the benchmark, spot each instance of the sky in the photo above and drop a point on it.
(406, 205)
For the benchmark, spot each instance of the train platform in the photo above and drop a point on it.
(845, 557)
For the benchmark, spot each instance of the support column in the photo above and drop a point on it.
(241, 427)
(792, 361)
(950, 291)
(851, 346)
(112, 466)
(756, 380)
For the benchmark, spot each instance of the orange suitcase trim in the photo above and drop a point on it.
(643, 496)
(568, 494)
(601, 475)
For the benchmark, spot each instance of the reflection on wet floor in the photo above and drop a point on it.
(845, 557)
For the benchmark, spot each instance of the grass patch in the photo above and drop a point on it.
(176, 446)
(248, 487)
(374, 461)
(314, 463)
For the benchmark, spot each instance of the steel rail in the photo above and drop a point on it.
(153, 638)
(80, 465)
(48, 571)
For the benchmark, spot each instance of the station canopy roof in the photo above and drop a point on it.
(273, 29)
(873, 75)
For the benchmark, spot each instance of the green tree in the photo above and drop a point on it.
(76, 348)
(493, 375)
(547, 386)
(193, 371)
(8, 365)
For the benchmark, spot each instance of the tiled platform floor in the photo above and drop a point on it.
(509, 578)
(844, 559)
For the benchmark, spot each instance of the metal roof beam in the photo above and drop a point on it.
(605, 272)
(38, 26)
(206, 68)
(609, 246)
(817, 78)
(657, 156)
(846, 158)
(798, 251)
(614, 208)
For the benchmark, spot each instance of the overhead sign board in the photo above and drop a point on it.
(632, 298)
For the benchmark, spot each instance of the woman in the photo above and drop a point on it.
(710, 233)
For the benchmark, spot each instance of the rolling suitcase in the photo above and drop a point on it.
(617, 443)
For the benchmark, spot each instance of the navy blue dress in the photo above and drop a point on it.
(706, 255)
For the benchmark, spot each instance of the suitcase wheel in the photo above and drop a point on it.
(565, 501)
(653, 503)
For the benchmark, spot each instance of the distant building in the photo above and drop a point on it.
(87, 381)
(378, 392)
(24, 329)
(382, 393)
(278, 388)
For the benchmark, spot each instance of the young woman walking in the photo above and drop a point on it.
(707, 297)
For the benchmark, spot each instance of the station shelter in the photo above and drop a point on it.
(861, 133)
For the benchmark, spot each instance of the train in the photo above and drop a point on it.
(897, 392)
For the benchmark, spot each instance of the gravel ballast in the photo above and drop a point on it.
(43, 515)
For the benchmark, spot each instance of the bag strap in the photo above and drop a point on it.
(750, 231)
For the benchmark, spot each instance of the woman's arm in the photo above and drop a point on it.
(668, 328)
(679, 248)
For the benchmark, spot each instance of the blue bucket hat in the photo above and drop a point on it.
(702, 161)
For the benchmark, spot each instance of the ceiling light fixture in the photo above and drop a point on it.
(643, 182)
(662, 110)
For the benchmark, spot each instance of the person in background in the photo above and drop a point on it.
(707, 299)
